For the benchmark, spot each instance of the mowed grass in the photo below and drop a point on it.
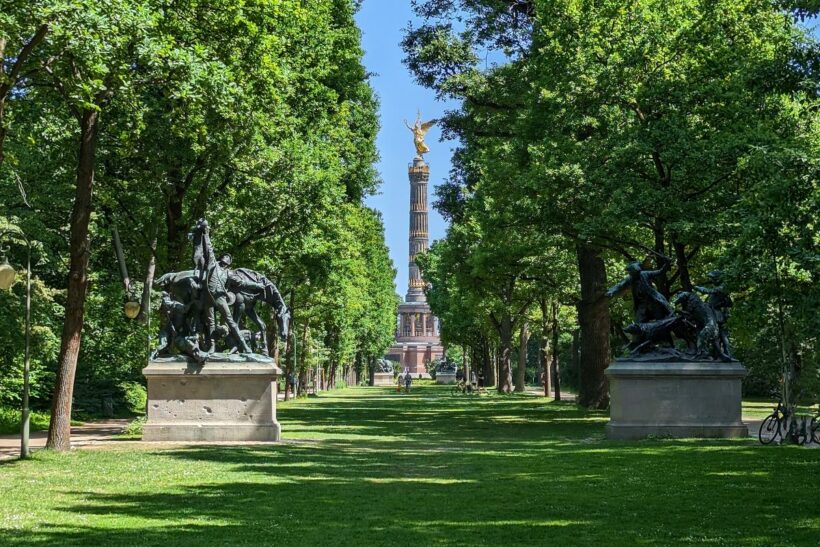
(367, 466)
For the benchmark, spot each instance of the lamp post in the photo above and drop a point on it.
(7, 275)
(131, 308)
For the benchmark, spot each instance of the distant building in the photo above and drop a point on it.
(417, 335)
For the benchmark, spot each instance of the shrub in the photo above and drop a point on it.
(10, 420)
(134, 429)
(134, 396)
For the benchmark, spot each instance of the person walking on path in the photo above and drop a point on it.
(408, 381)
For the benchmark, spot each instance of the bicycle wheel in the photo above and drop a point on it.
(455, 390)
(814, 428)
(769, 429)
(801, 432)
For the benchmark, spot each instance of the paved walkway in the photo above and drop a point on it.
(80, 434)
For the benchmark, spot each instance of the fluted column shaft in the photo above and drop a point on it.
(419, 174)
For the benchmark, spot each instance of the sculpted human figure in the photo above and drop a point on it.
(179, 329)
(172, 321)
(720, 302)
(218, 285)
(649, 304)
(419, 130)
(706, 323)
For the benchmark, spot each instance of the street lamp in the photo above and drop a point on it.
(131, 308)
(7, 275)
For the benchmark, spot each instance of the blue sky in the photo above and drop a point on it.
(382, 22)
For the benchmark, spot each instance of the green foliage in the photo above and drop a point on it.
(45, 319)
(257, 115)
(134, 429)
(10, 420)
(655, 129)
(135, 396)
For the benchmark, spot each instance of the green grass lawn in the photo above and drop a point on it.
(760, 408)
(366, 466)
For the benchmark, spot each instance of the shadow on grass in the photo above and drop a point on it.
(425, 469)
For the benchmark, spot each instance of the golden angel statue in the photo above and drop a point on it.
(419, 130)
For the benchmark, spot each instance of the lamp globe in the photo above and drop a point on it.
(7, 275)
(132, 309)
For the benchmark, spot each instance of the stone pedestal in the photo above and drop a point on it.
(383, 379)
(675, 399)
(224, 400)
(445, 378)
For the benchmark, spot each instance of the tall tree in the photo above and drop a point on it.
(87, 62)
(257, 115)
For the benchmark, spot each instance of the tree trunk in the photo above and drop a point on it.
(487, 364)
(332, 379)
(662, 282)
(521, 372)
(543, 349)
(150, 271)
(555, 368)
(505, 332)
(289, 356)
(357, 369)
(175, 223)
(683, 266)
(59, 431)
(272, 334)
(302, 358)
(593, 319)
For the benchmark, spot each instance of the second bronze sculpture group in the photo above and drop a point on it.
(700, 325)
(192, 299)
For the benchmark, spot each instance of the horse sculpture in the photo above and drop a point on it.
(185, 287)
(193, 298)
(244, 305)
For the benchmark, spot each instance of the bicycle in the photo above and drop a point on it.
(463, 388)
(814, 428)
(782, 424)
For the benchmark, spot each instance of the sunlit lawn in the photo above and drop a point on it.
(368, 466)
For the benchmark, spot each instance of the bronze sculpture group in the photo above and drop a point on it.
(383, 366)
(700, 326)
(192, 299)
(445, 366)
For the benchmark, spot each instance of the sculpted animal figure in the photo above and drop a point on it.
(245, 304)
(245, 289)
(645, 336)
(705, 320)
